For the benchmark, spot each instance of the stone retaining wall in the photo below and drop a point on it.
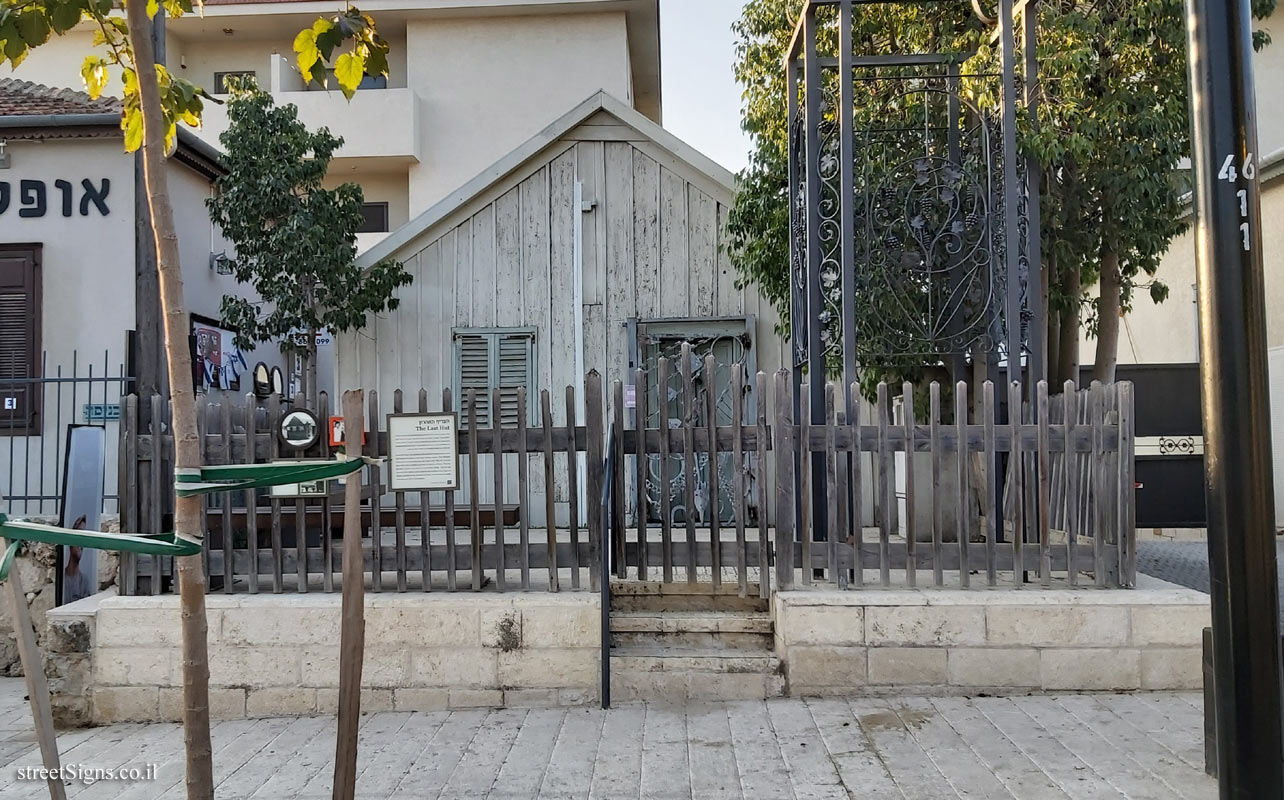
(936, 641)
(278, 655)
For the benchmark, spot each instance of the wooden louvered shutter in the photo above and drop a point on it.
(514, 371)
(19, 333)
(474, 374)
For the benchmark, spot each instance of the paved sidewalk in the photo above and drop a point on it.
(1027, 748)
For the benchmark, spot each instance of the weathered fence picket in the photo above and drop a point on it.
(1026, 481)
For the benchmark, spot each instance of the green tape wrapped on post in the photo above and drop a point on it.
(206, 480)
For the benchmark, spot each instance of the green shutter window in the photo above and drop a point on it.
(487, 359)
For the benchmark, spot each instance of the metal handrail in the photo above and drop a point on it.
(605, 544)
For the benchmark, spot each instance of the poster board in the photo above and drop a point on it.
(82, 503)
(423, 452)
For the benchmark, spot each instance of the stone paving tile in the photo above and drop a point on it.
(1130, 746)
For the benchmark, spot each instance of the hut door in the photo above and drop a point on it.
(730, 343)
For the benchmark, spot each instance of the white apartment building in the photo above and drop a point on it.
(469, 81)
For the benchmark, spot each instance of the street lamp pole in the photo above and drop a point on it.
(1232, 335)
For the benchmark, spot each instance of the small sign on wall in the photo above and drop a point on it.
(305, 489)
(423, 452)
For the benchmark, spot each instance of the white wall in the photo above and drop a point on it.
(490, 84)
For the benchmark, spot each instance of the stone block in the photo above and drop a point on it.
(280, 701)
(907, 666)
(501, 628)
(224, 704)
(811, 667)
(996, 667)
(125, 704)
(67, 636)
(376, 700)
(1171, 626)
(254, 667)
(714, 687)
(258, 626)
(577, 697)
(1100, 670)
(925, 626)
(821, 625)
(383, 667)
(525, 669)
(140, 666)
(432, 625)
(1058, 626)
(454, 667)
(476, 698)
(560, 626)
(137, 627)
(319, 667)
(530, 698)
(420, 699)
(1172, 669)
(327, 701)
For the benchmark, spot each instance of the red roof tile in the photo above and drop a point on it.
(19, 98)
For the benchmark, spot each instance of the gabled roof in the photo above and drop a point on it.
(599, 101)
(24, 98)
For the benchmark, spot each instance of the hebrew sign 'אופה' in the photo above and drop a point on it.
(423, 452)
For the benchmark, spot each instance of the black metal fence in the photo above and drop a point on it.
(35, 411)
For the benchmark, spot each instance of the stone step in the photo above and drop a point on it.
(653, 596)
(722, 630)
(683, 675)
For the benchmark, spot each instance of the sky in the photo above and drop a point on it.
(701, 96)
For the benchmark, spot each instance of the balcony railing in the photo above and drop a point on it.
(375, 124)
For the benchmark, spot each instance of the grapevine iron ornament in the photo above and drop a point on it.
(930, 225)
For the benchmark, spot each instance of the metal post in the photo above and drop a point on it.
(847, 197)
(815, 301)
(1011, 189)
(1038, 278)
(1237, 433)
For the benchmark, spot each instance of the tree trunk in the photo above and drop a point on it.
(1068, 333)
(187, 450)
(1108, 318)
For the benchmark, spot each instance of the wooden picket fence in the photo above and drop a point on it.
(948, 489)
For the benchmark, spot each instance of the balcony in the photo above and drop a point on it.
(380, 127)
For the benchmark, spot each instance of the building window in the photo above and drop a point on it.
(19, 337)
(221, 79)
(488, 359)
(374, 218)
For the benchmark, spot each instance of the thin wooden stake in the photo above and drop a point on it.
(711, 424)
(33, 670)
(805, 492)
(550, 507)
(274, 448)
(1097, 399)
(523, 489)
(857, 490)
(886, 495)
(832, 497)
(1070, 398)
(352, 634)
(666, 487)
(642, 466)
(573, 490)
(399, 498)
(327, 537)
(991, 485)
(782, 442)
(1015, 488)
(907, 408)
(764, 521)
(740, 504)
(688, 456)
(474, 493)
(965, 511)
(1045, 485)
(376, 499)
(425, 521)
(452, 560)
(938, 501)
(497, 470)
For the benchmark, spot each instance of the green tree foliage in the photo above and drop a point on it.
(295, 240)
(1112, 129)
(26, 24)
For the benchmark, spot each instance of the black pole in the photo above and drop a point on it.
(1237, 433)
